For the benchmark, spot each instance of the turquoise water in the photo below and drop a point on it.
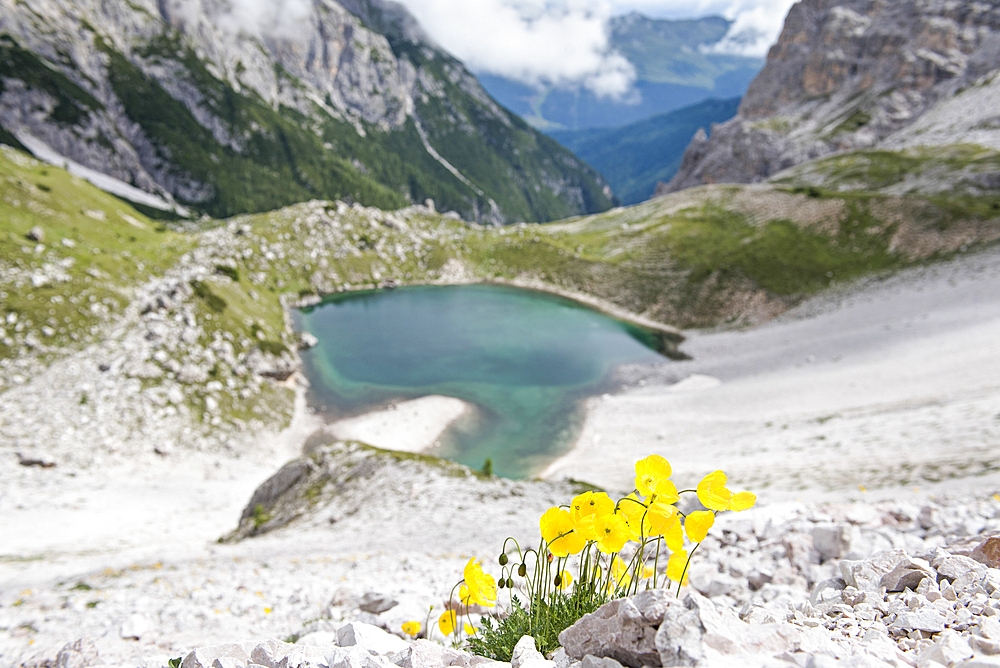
(525, 359)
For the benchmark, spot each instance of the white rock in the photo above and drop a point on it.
(948, 649)
(525, 655)
(371, 638)
(134, 627)
(355, 656)
(204, 657)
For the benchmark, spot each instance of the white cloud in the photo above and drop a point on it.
(560, 42)
(564, 42)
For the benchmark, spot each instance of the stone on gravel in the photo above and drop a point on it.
(906, 575)
(204, 657)
(599, 662)
(988, 552)
(926, 619)
(832, 541)
(377, 603)
(949, 648)
(371, 638)
(867, 574)
(963, 572)
(77, 654)
(426, 654)
(526, 655)
(355, 657)
(624, 629)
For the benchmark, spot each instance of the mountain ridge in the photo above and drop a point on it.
(171, 97)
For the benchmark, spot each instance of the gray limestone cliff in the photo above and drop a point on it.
(858, 74)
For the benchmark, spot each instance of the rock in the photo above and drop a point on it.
(371, 638)
(980, 662)
(355, 657)
(36, 233)
(989, 627)
(988, 552)
(963, 572)
(828, 591)
(305, 340)
(599, 662)
(77, 654)
(832, 541)
(318, 638)
(525, 655)
(41, 460)
(928, 619)
(623, 629)
(270, 652)
(134, 627)
(867, 574)
(426, 654)
(948, 649)
(906, 575)
(206, 656)
(377, 603)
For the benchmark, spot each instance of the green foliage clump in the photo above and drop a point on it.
(214, 302)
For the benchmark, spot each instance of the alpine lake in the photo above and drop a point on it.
(525, 360)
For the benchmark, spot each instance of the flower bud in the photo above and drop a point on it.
(558, 580)
(549, 557)
(510, 583)
(522, 570)
(501, 584)
(503, 559)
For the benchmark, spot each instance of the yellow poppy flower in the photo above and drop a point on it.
(650, 473)
(470, 630)
(647, 572)
(559, 532)
(482, 588)
(666, 492)
(712, 491)
(584, 527)
(620, 575)
(658, 516)
(612, 532)
(565, 579)
(697, 524)
(673, 534)
(591, 503)
(411, 628)
(742, 501)
(446, 622)
(633, 509)
(676, 565)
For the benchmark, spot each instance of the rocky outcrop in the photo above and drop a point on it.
(847, 75)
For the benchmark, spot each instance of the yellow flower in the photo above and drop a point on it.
(559, 532)
(742, 501)
(712, 491)
(612, 532)
(697, 524)
(584, 527)
(647, 571)
(676, 565)
(564, 580)
(666, 492)
(591, 503)
(633, 509)
(482, 588)
(463, 595)
(470, 630)
(658, 517)
(411, 628)
(650, 473)
(620, 574)
(673, 534)
(446, 622)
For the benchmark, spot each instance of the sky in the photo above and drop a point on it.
(564, 42)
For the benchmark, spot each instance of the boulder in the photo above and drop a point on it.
(526, 655)
(204, 657)
(947, 650)
(36, 233)
(77, 654)
(867, 574)
(377, 603)
(371, 638)
(623, 629)
(988, 552)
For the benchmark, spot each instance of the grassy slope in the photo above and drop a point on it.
(710, 256)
